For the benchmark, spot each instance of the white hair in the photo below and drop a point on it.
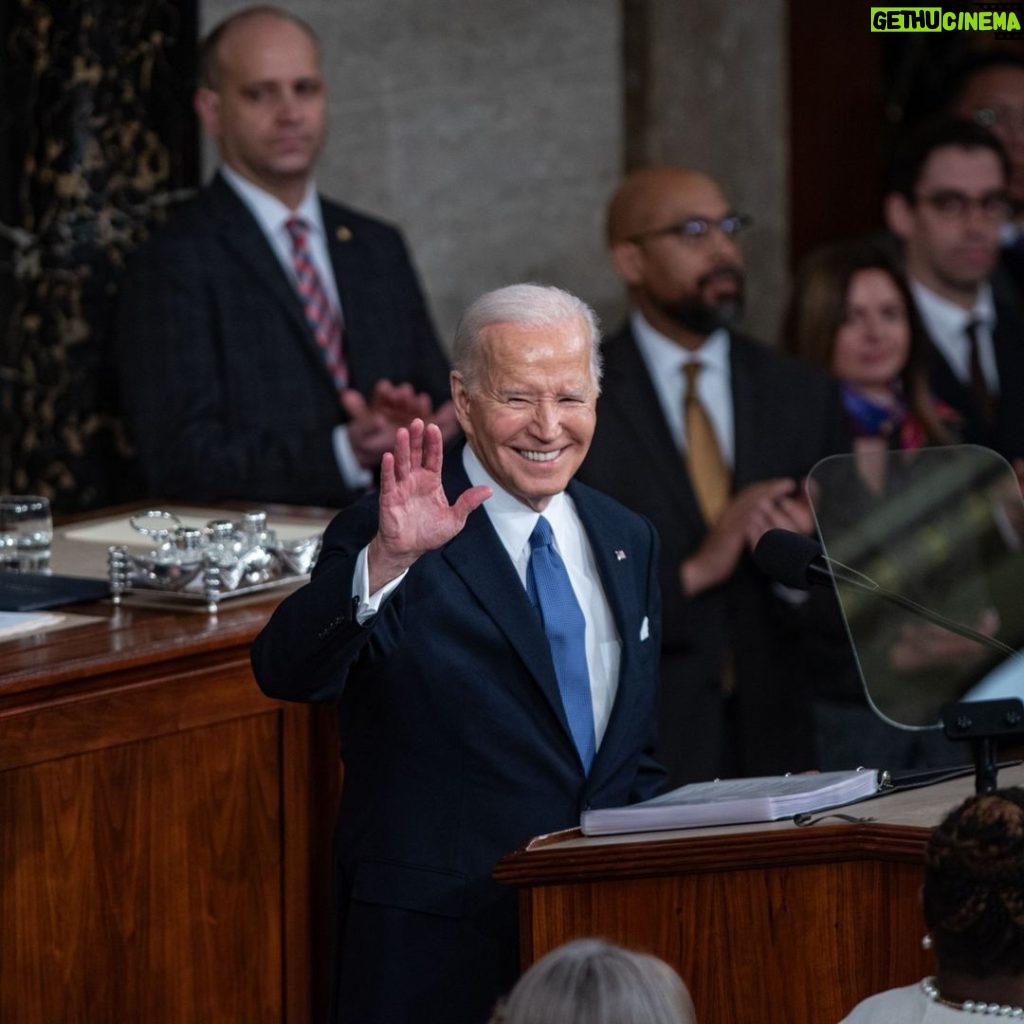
(529, 305)
(591, 981)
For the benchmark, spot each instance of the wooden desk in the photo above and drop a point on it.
(768, 924)
(164, 828)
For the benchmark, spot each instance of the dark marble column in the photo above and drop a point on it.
(97, 139)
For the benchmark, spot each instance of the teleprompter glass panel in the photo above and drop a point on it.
(927, 553)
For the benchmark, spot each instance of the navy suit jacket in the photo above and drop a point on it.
(786, 417)
(222, 381)
(456, 746)
(1006, 434)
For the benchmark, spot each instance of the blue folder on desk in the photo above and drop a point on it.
(32, 591)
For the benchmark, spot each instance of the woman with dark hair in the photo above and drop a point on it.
(853, 316)
(973, 903)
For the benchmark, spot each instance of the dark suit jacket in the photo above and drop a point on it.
(786, 417)
(221, 378)
(1006, 434)
(456, 746)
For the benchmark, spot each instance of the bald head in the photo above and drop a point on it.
(671, 232)
(994, 97)
(651, 197)
(211, 48)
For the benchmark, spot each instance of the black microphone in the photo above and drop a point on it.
(792, 559)
(800, 562)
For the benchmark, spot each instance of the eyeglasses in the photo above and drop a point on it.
(697, 229)
(952, 204)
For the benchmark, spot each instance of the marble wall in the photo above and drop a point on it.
(494, 131)
(716, 100)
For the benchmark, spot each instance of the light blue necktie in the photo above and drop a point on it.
(547, 583)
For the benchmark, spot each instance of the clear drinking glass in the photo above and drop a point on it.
(26, 532)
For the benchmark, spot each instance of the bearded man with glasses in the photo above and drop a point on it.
(948, 203)
(709, 433)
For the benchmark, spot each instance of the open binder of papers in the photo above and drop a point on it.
(734, 801)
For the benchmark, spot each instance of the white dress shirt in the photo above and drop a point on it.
(946, 325)
(514, 522)
(665, 361)
(272, 215)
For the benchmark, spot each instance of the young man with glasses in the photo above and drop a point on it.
(709, 433)
(948, 203)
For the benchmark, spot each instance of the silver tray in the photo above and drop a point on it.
(174, 558)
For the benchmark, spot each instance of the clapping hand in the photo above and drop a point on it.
(372, 425)
(415, 516)
(749, 514)
(778, 509)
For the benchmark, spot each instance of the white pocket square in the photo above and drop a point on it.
(645, 629)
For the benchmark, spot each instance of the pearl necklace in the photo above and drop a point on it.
(931, 990)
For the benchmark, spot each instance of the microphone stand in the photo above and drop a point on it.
(982, 723)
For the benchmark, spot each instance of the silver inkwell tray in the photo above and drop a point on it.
(224, 559)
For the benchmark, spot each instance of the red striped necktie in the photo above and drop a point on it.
(323, 320)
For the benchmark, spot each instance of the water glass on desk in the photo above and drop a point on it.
(26, 533)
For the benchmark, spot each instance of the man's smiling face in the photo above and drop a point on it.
(530, 415)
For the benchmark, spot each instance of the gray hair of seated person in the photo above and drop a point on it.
(591, 981)
(527, 305)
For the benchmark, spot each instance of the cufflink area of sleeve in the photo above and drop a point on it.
(330, 627)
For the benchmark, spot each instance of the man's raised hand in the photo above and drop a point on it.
(415, 516)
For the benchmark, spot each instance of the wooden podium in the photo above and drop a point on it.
(767, 924)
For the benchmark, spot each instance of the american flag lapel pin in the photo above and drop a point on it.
(620, 555)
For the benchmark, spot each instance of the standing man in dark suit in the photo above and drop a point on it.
(260, 331)
(494, 667)
(708, 434)
(948, 202)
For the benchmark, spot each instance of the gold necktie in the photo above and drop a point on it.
(708, 472)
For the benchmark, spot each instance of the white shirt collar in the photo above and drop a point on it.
(944, 317)
(512, 519)
(665, 360)
(268, 210)
(664, 356)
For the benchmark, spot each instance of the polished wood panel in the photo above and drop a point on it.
(774, 945)
(164, 828)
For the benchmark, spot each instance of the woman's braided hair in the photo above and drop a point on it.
(974, 885)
